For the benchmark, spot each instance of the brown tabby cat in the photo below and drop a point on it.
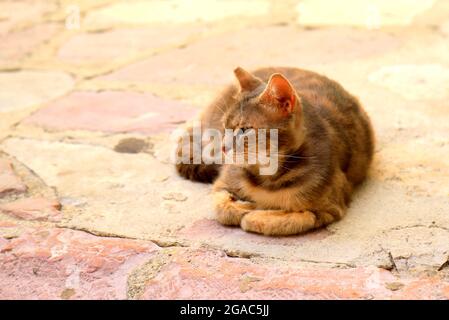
(325, 147)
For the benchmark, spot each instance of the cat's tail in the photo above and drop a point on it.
(205, 173)
(200, 172)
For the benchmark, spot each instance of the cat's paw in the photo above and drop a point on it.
(230, 211)
(278, 222)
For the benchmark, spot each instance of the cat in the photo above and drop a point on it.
(325, 147)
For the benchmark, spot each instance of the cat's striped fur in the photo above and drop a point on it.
(326, 145)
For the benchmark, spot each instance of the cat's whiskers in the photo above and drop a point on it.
(295, 157)
(219, 105)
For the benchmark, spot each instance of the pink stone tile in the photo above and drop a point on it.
(205, 274)
(68, 264)
(446, 292)
(3, 243)
(15, 46)
(423, 289)
(112, 111)
(119, 44)
(211, 275)
(211, 61)
(9, 181)
(40, 209)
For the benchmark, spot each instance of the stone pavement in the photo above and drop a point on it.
(90, 206)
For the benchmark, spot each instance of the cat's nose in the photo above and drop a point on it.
(223, 148)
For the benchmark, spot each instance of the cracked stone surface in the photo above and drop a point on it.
(91, 207)
(197, 274)
(66, 264)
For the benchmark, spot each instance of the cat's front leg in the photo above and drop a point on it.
(282, 223)
(229, 210)
(229, 207)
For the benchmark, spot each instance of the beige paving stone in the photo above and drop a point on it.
(422, 165)
(123, 193)
(445, 28)
(371, 14)
(24, 89)
(433, 17)
(178, 11)
(414, 82)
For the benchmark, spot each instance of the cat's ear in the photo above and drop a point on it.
(247, 81)
(279, 93)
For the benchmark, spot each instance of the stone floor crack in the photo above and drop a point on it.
(158, 242)
(444, 265)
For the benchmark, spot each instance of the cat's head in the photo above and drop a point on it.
(274, 105)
